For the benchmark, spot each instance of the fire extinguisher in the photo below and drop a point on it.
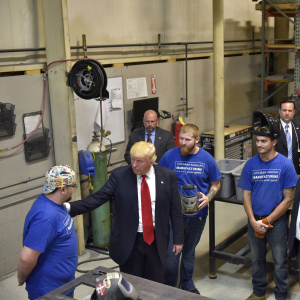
(176, 126)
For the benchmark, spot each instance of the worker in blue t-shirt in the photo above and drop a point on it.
(50, 249)
(268, 181)
(198, 176)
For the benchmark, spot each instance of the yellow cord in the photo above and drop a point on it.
(181, 121)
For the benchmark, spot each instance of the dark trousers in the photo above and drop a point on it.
(144, 261)
(298, 257)
(277, 239)
(193, 228)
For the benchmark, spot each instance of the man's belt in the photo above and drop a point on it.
(257, 218)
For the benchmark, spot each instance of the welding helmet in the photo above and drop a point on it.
(189, 203)
(113, 286)
(265, 124)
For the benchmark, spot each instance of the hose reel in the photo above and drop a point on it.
(88, 80)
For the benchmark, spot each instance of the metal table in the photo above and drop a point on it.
(217, 251)
(148, 290)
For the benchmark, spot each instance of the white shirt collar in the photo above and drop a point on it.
(150, 173)
(283, 124)
(152, 133)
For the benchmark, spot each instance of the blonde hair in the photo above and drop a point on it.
(191, 128)
(142, 149)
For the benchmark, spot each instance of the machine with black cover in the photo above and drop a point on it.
(266, 125)
(113, 286)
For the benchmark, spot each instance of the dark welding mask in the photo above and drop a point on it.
(265, 124)
(189, 204)
(113, 286)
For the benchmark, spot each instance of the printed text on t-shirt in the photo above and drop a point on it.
(189, 167)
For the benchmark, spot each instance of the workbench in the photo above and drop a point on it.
(148, 290)
(217, 251)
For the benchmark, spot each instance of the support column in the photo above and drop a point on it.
(56, 25)
(218, 62)
(282, 58)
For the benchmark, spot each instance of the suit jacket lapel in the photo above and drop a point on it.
(294, 138)
(131, 182)
(142, 134)
(159, 182)
(157, 138)
(282, 132)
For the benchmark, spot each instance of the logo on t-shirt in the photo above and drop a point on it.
(68, 223)
(189, 167)
(269, 175)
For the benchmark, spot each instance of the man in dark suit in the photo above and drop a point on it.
(289, 133)
(294, 231)
(162, 139)
(138, 245)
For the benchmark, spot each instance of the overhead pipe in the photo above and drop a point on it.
(127, 45)
(84, 47)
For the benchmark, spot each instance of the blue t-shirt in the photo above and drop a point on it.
(49, 229)
(199, 169)
(266, 180)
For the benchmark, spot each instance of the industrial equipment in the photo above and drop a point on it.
(147, 290)
(100, 215)
(86, 163)
(238, 141)
(88, 79)
(113, 286)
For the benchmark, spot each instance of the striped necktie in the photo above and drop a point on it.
(149, 140)
(288, 142)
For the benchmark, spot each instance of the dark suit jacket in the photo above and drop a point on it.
(293, 243)
(281, 145)
(163, 142)
(122, 185)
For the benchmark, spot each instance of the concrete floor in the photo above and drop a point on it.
(233, 282)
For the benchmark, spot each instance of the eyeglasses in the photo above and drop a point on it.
(74, 186)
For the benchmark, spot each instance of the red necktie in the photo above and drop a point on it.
(146, 212)
(149, 138)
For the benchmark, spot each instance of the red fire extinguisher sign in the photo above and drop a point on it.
(153, 84)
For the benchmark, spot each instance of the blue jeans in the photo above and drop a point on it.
(277, 239)
(193, 228)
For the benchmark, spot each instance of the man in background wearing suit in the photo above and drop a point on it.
(146, 197)
(162, 139)
(288, 142)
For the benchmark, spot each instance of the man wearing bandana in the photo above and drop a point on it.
(198, 169)
(50, 248)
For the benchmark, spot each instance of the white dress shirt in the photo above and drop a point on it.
(152, 136)
(150, 179)
(298, 225)
(289, 129)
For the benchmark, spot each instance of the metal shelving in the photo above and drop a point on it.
(288, 11)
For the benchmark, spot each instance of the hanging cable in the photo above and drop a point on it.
(96, 249)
